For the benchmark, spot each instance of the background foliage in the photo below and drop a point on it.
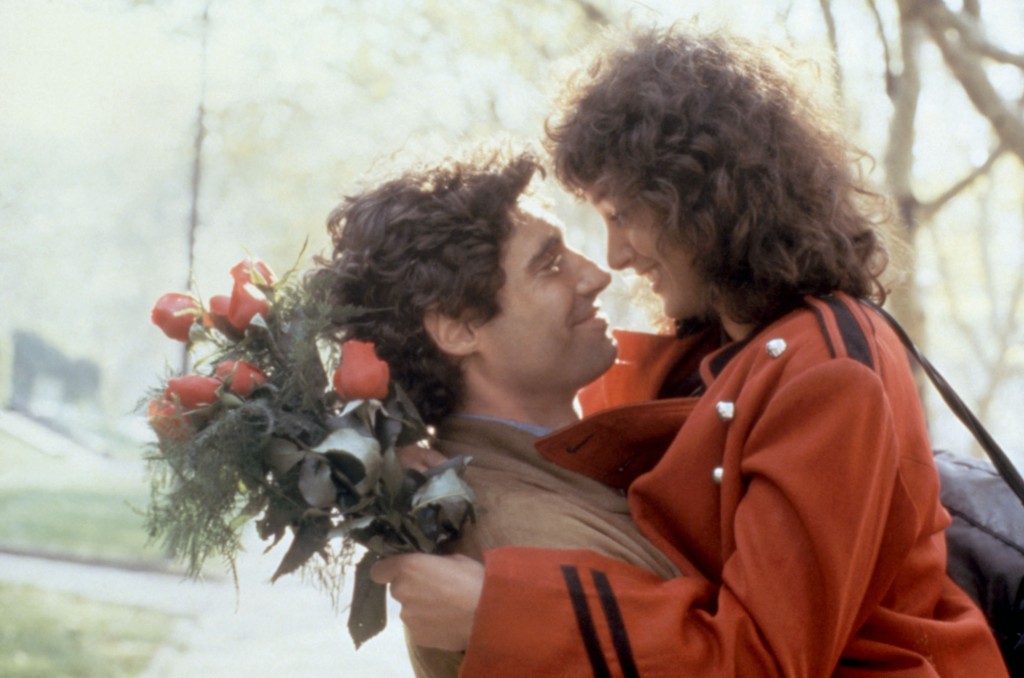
(147, 144)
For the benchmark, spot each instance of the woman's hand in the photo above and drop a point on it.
(439, 596)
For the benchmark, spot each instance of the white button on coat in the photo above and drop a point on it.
(775, 347)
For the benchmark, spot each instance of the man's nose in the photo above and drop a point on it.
(593, 279)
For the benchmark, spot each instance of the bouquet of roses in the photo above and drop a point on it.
(281, 425)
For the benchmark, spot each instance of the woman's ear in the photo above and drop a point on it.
(454, 336)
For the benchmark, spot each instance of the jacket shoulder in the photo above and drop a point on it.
(847, 326)
(826, 328)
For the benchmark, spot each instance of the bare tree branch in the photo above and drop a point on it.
(833, 41)
(890, 78)
(927, 210)
(197, 163)
(593, 13)
(967, 69)
(949, 292)
(899, 156)
(973, 36)
(1005, 333)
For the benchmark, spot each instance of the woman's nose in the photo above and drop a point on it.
(620, 254)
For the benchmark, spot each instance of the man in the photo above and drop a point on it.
(490, 322)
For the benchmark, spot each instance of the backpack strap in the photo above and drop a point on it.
(999, 458)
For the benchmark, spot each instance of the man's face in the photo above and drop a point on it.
(549, 336)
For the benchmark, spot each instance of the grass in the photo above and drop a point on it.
(45, 633)
(77, 522)
(82, 505)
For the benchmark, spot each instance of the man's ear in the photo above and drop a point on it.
(454, 336)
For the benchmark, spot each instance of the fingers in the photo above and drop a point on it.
(438, 594)
(419, 458)
(385, 571)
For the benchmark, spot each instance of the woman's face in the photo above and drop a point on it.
(634, 241)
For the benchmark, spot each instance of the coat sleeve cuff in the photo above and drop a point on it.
(541, 610)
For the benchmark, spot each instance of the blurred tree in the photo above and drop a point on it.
(969, 57)
(240, 125)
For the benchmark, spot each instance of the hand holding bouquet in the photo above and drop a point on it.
(259, 432)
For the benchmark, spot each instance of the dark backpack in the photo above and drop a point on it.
(985, 545)
(985, 542)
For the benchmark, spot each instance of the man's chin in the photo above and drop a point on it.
(611, 349)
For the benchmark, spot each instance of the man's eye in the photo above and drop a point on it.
(554, 264)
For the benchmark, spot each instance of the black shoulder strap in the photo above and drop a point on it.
(995, 453)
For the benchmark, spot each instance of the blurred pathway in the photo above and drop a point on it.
(284, 629)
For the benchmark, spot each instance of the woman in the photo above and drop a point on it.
(798, 495)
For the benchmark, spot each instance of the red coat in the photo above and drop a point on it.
(797, 495)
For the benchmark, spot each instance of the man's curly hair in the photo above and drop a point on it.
(748, 174)
(431, 239)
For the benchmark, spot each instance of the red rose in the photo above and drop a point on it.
(247, 301)
(362, 374)
(216, 315)
(217, 311)
(241, 377)
(253, 271)
(193, 391)
(174, 313)
(168, 421)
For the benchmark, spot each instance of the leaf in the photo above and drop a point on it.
(441, 507)
(356, 454)
(284, 508)
(389, 430)
(393, 473)
(255, 506)
(298, 426)
(351, 406)
(342, 530)
(283, 455)
(259, 321)
(402, 408)
(458, 463)
(315, 482)
(422, 529)
(310, 538)
(440, 488)
(369, 613)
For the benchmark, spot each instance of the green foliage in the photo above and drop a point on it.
(86, 523)
(52, 634)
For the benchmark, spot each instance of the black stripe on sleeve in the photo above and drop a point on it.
(620, 638)
(824, 330)
(586, 623)
(853, 337)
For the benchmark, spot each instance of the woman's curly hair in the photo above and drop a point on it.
(430, 239)
(749, 175)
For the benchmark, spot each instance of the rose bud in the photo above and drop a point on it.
(194, 391)
(216, 315)
(174, 313)
(247, 301)
(239, 376)
(218, 306)
(362, 374)
(168, 421)
(253, 271)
